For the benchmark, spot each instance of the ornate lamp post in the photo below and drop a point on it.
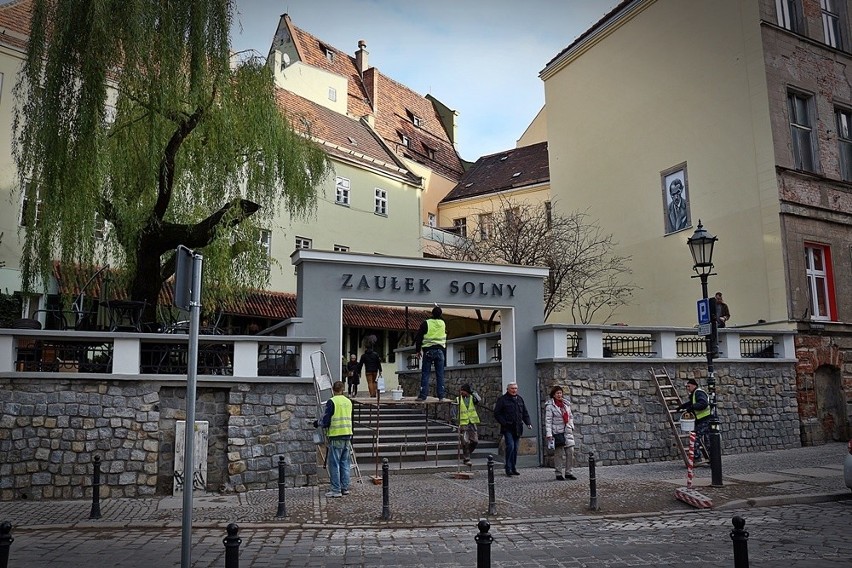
(701, 245)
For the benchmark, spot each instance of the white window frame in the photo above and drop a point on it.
(460, 225)
(789, 15)
(304, 243)
(819, 281)
(264, 239)
(332, 94)
(486, 226)
(341, 248)
(406, 141)
(802, 122)
(100, 230)
(832, 23)
(843, 118)
(25, 198)
(381, 201)
(432, 219)
(342, 190)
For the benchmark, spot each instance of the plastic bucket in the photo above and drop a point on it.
(396, 394)
(687, 424)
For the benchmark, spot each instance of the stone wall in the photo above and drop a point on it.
(51, 429)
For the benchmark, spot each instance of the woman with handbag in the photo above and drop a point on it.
(559, 430)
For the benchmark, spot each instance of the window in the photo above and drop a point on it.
(486, 226)
(332, 94)
(415, 120)
(513, 218)
(460, 225)
(341, 248)
(832, 19)
(844, 140)
(303, 243)
(790, 15)
(329, 54)
(31, 206)
(381, 202)
(406, 141)
(430, 152)
(433, 220)
(820, 282)
(801, 131)
(100, 227)
(265, 241)
(341, 191)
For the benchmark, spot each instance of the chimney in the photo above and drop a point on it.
(361, 58)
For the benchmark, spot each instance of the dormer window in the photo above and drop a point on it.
(329, 53)
(405, 140)
(430, 152)
(415, 120)
(352, 141)
(503, 158)
(516, 174)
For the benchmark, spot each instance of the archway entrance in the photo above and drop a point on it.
(831, 404)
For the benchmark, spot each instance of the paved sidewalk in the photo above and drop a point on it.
(801, 475)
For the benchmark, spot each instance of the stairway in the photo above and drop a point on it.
(412, 438)
(671, 400)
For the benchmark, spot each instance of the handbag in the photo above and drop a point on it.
(559, 439)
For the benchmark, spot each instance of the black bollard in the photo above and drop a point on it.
(483, 544)
(386, 514)
(593, 484)
(740, 537)
(96, 490)
(492, 502)
(6, 540)
(232, 546)
(282, 506)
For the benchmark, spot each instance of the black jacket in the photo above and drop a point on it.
(370, 362)
(701, 402)
(511, 412)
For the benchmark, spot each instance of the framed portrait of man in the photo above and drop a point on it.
(676, 213)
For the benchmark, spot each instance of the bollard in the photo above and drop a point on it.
(386, 515)
(593, 484)
(282, 505)
(232, 546)
(96, 490)
(740, 537)
(492, 503)
(6, 540)
(483, 544)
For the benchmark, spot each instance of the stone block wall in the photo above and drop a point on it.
(51, 429)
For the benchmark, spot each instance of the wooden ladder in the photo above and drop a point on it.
(671, 400)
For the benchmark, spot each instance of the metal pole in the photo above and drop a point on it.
(593, 483)
(483, 544)
(6, 540)
(492, 504)
(740, 537)
(95, 513)
(715, 433)
(386, 514)
(191, 375)
(282, 505)
(232, 546)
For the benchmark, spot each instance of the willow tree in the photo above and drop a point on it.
(135, 113)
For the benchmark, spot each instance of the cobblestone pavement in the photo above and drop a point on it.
(796, 536)
(539, 521)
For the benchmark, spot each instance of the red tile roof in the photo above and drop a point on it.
(390, 110)
(519, 167)
(15, 19)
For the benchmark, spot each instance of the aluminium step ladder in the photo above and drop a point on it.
(323, 382)
(671, 400)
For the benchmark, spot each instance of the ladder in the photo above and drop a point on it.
(671, 400)
(322, 387)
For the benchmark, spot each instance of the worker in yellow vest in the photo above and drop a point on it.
(431, 344)
(468, 420)
(699, 405)
(337, 421)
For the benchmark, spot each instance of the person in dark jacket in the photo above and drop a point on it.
(353, 376)
(698, 404)
(372, 366)
(510, 412)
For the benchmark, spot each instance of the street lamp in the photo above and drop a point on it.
(701, 245)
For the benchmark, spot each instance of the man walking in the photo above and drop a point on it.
(431, 344)
(699, 405)
(511, 412)
(338, 423)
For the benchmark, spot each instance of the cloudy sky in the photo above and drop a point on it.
(479, 57)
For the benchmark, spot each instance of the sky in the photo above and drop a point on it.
(480, 58)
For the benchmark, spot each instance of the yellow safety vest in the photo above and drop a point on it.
(436, 333)
(341, 420)
(699, 414)
(467, 412)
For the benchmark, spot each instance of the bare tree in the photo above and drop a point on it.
(586, 277)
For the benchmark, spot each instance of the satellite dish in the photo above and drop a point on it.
(285, 60)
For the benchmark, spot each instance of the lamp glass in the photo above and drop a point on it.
(701, 245)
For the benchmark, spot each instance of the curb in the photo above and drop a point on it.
(778, 500)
